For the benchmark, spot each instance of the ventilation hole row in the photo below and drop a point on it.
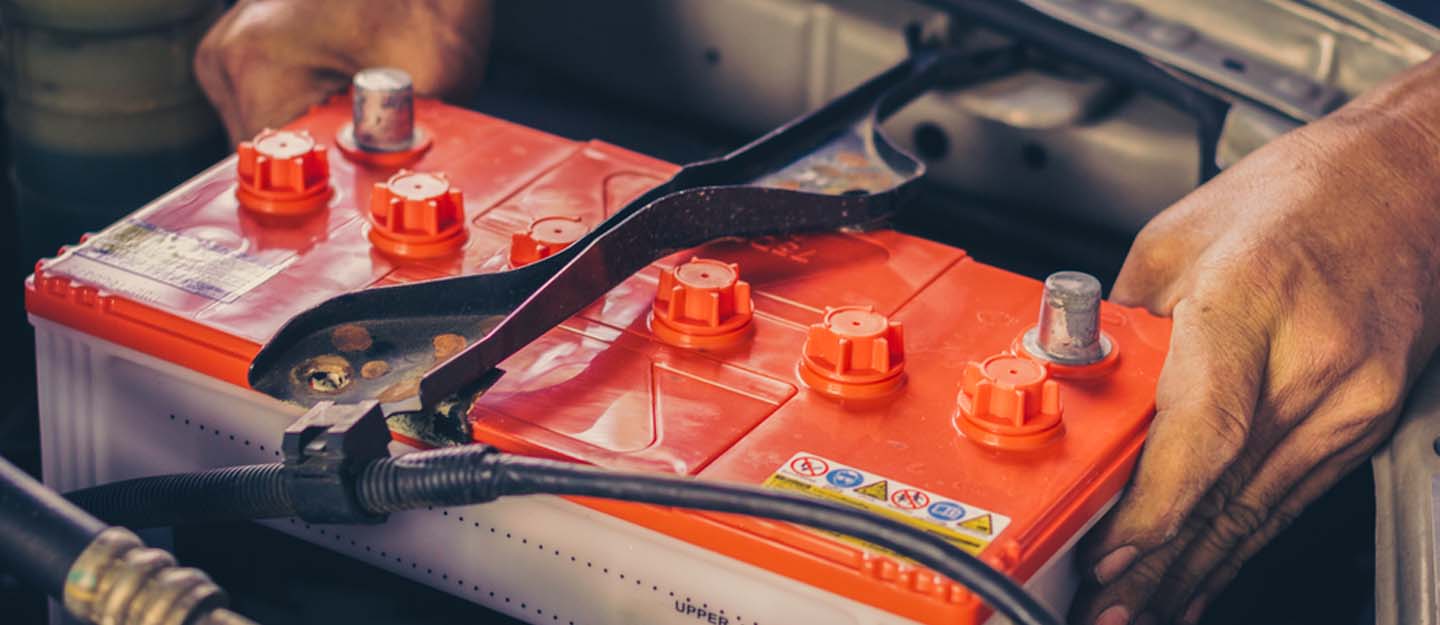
(415, 566)
(384, 555)
(655, 588)
(217, 433)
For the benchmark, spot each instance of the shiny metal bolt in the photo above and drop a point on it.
(384, 110)
(1069, 328)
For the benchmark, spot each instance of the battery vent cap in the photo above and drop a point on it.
(854, 353)
(417, 215)
(544, 237)
(283, 172)
(702, 303)
(1009, 402)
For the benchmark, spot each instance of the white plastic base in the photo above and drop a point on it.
(109, 413)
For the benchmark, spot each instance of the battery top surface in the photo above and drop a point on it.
(840, 365)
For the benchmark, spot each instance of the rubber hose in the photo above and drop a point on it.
(41, 533)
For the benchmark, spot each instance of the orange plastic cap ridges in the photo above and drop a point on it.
(702, 303)
(283, 172)
(544, 237)
(854, 353)
(417, 215)
(1009, 402)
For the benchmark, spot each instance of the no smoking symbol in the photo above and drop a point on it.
(910, 499)
(809, 466)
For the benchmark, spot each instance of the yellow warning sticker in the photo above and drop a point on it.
(982, 524)
(879, 491)
(969, 527)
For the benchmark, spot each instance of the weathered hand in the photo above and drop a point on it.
(1304, 284)
(265, 61)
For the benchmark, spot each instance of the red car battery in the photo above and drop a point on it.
(873, 368)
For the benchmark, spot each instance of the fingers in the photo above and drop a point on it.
(284, 95)
(1257, 497)
(1206, 396)
(213, 79)
(1131, 592)
(256, 75)
(1341, 432)
(1121, 599)
(1165, 255)
(266, 61)
(1192, 608)
(1153, 268)
(1247, 516)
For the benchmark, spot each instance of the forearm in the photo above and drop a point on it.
(1411, 97)
(1388, 141)
(1398, 125)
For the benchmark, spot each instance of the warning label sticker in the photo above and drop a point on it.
(184, 262)
(969, 527)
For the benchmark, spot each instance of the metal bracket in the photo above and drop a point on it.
(769, 186)
(1190, 51)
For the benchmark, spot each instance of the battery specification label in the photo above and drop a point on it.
(193, 265)
(969, 527)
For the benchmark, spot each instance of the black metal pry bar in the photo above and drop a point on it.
(766, 187)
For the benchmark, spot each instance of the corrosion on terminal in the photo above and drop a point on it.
(447, 345)
(374, 369)
(351, 338)
(327, 374)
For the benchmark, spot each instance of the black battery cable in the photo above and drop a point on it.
(472, 474)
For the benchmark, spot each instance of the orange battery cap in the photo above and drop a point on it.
(283, 172)
(854, 353)
(417, 215)
(702, 304)
(544, 237)
(1009, 402)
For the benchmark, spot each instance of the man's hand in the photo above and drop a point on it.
(1305, 294)
(265, 61)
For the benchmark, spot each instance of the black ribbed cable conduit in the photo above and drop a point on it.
(474, 474)
(257, 491)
